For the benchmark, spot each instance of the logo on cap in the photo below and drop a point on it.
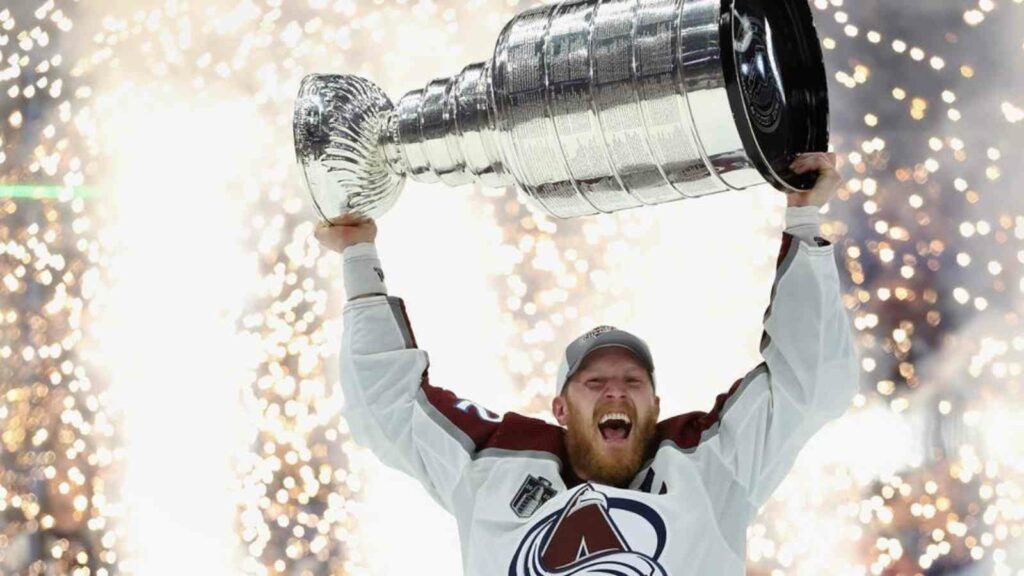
(595, 333)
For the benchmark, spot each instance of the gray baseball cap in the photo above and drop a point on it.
(600, 337)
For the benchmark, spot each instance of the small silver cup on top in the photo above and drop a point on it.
(588, 106)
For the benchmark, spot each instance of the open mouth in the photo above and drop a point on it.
(614, 431)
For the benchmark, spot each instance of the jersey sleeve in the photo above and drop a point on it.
(809, 375)
(392, 409)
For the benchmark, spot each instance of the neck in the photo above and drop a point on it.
(579, 474)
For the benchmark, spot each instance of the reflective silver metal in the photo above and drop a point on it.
(588, 106)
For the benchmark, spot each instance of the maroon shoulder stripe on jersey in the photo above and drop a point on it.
(473, 424)
(686, 430)
(787, 240)
(518, 432)
(513, 431)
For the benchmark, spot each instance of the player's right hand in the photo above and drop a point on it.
(828, 182)
(344, 231)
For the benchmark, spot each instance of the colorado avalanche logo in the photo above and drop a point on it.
(584, 539)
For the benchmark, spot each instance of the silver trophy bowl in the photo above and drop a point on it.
(589, 106)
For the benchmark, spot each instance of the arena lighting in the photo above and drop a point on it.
(168, 335)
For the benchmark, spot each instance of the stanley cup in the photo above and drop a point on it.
(589, 106)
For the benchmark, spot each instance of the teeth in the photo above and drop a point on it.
(615, 416)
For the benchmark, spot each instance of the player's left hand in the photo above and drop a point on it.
(828, 181)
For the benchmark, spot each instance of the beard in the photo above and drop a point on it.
(600, 462)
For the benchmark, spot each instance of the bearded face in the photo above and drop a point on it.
(610, 413)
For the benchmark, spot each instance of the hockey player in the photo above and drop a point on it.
(612, 490)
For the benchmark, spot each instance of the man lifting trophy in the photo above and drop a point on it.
(590, 107)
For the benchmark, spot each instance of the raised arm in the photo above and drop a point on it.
(390, 407)
(810, 371)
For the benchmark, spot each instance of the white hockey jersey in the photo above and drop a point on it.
(519, 507)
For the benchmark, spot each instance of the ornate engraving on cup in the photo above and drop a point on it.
(588, 106)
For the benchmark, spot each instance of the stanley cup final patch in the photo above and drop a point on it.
(531, 495)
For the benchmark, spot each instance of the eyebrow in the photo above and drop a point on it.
(588, 374)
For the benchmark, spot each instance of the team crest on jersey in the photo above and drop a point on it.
(584, 537)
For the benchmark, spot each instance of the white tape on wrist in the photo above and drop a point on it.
(804, 222)
(362, 271)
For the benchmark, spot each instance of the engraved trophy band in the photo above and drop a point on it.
(589, 106)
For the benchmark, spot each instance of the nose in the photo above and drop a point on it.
(615, 388)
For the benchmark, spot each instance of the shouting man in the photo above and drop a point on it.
(612, 490)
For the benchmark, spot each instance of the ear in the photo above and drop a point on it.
(559, 409)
